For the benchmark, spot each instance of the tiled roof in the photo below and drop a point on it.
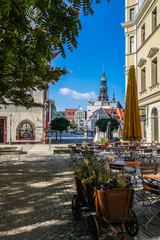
(117, 113)
(70, 111)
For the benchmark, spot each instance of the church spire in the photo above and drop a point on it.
(103, 89)
(113, 96)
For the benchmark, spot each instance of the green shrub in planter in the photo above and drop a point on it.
(95, 172)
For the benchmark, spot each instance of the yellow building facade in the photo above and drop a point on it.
(142, 44)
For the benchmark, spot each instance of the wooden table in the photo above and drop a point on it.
(120, 165)
(154, 177)
(140, 149)
(126, 164)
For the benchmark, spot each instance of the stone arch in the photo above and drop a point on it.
(154, 125)
(19, 131)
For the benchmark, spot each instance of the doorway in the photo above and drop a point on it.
(1, 130)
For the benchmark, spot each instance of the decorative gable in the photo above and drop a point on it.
(142, 61)
(152, 52)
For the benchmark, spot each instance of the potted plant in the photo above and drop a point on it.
(91, 174)
(104, 192)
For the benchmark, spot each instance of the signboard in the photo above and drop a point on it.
(142, 112)
(39, 126)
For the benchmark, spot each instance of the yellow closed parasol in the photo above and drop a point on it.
(132, 124)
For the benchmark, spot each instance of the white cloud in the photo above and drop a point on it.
(77, 95)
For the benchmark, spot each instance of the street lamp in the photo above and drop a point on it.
(10, 139)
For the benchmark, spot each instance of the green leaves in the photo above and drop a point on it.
(32, 34)
(60, 124)
(102, 124)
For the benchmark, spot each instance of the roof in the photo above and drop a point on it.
(70, 111)
(117, 113)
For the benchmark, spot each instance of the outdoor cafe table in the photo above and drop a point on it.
(140, 150)
(120, 165)
(154, 177)
(126, 164)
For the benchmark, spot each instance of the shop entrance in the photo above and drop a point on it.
(1, 130)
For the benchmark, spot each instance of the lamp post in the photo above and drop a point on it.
(10, 139)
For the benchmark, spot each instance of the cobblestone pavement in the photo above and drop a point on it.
(35, 200)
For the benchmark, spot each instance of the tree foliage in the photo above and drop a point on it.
(32, 34)
(60, 124)
(102, 124)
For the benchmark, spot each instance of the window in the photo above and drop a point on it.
(154, 71)
(143, 79)
(143, 34)
(132, 14)
(154, 19)
(131, 44)
(28, 91)
(26, 131)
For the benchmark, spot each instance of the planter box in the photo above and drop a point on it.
(114, 205)
(86, 193)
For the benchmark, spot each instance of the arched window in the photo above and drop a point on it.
(26, 130)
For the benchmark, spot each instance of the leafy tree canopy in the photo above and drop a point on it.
(102, 124)
(60, 124)
(32, 34)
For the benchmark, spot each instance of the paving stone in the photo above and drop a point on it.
(38, 191)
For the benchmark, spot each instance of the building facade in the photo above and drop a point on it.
(60, 113)
(70, 114)
(117, 113)
(51, 110)
(142, 44)
(19, 125)
(80, 118)
(78, 115)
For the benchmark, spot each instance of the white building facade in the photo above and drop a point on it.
(142, 45)
(80, 118)
(19, 125)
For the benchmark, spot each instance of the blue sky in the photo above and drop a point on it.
(101, 41)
